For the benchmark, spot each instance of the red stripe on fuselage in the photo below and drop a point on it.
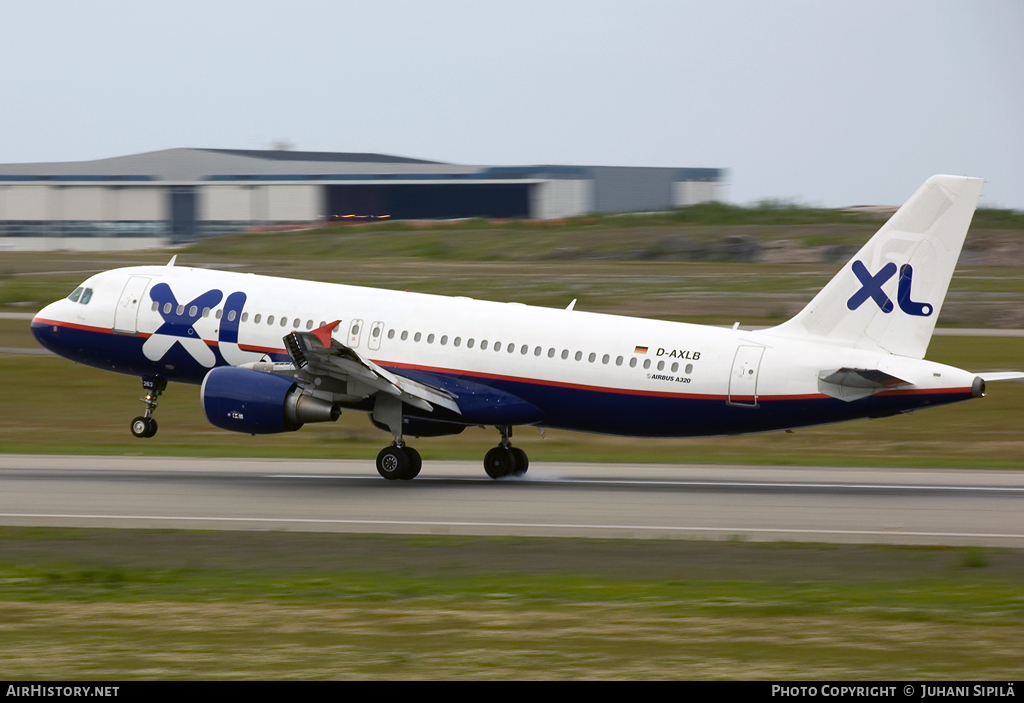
(527, 380)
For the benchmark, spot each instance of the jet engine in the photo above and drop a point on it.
(254, 402)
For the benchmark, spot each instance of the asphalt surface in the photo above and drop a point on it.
(633, 501)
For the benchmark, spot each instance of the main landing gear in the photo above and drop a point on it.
(145, 426)
(399, 461)
(506, 460)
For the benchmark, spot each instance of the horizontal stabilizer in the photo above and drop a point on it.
(344, 363)
(1000, 375)
(853, 384)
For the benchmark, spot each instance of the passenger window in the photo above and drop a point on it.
(579, 355)
(180, 310)
(469, 343)
(551, 353)
(323, 322)
(194, 312)
(675, 367)
(391, 333)
(430, 339)
(86, 296)
(618, 361)
(497, 346)
(284, 320)
(689, 368)
(167, 309)
(295, 323)
(444, 339)
(605, 358)
(155, 306)
(309, 324)
(661, 366)
(231, 315)
(206, 313)
(245, 316)
(647, 363)
(483, 344)
(270, 319)
(591, 357)
(375, 332)
(537, 351)
(75, 295)
(405, 335)
(417, 337)
(219, 313)
(457, 341)
(255, 319)
(565, 353)
(632, 363)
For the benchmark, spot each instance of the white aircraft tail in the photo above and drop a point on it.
(889, 295)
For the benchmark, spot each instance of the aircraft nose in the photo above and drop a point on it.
(44, 328)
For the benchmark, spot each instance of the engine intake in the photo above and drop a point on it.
(254, 402)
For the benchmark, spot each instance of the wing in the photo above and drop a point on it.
(319, 354)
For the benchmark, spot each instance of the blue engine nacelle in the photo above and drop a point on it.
(254, 402)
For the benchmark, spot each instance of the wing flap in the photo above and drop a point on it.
(308, 352)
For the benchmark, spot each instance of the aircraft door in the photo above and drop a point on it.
(355, 332)
(126, 315)
(743, 379)
(376, 332)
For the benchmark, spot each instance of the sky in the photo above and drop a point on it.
(825, 103)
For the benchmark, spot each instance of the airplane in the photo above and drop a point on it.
(272, 354)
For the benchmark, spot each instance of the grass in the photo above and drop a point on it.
(125, 604)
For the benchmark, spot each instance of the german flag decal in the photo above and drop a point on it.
(640, 350)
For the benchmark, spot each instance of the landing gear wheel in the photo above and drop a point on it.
(415, 464)
(393, 463)
(499, 462)
(522, 461)
(143, 427)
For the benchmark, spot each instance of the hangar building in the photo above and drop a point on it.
(179, 195)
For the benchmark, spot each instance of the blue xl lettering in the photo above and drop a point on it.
(180, 325)
(903, 298)
(871, 287)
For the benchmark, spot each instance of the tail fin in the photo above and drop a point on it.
(889, 295)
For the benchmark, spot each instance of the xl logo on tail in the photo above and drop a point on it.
(871, 287)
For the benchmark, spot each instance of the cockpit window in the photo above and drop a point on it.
(75, 294)
(86, 296)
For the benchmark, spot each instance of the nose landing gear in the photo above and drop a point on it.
(145, 425)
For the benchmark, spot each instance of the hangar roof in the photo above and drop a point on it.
(191, 165)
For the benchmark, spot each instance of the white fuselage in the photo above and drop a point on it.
(583, 370)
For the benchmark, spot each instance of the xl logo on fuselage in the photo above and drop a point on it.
(179, 325)
(871, 287)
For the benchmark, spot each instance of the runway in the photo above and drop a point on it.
(937, 507)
